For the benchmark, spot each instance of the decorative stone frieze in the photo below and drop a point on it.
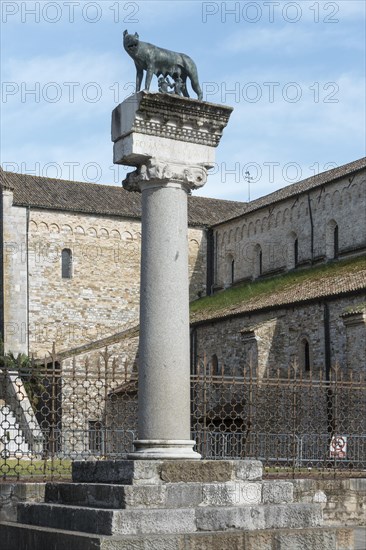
(172, 117)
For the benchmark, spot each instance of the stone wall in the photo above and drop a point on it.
(343, 500)
(100, 298)
(102, 294)
(14, 271)
(273, 339)
(263, 241)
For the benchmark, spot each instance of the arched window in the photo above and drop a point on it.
(292, 250)
(305, 355)
(229, 270)
(257, 261)
(66, 263)
(332, 240)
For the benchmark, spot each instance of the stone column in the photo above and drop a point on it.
(171, 141)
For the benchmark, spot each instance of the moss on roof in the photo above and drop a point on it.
(296, 286)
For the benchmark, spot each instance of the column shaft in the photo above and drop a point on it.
(164, 369)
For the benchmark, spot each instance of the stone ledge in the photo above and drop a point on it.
(169, 495)
(140, 472)
(171, 520)
(17, 536)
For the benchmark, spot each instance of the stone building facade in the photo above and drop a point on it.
(70, 277)
(71, 260)
(304, 224)
(316, 223)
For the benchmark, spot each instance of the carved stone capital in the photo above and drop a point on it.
(163, 173)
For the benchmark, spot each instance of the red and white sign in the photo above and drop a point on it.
(338, 446)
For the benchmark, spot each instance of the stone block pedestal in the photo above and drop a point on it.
(171, 505)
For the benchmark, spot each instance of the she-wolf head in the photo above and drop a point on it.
(130, 41)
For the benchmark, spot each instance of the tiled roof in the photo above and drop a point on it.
(346, 277)
(75, 196)
(304, 186)
(91, 198)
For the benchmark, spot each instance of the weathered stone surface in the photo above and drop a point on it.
(277, 492)
(154, 521)
(16, 537)
(169, 495)
(156, 471)
(292, 516)
(107, 521)
(14, 268)
(13, 493)
(107, 495)
(145, 123)
(117, 471)
(221, 519)
(207, 471)
(344, 500)
(237, 493)
(259, 517)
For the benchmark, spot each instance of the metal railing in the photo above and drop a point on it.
(60, 411)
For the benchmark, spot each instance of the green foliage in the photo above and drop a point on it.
(35, 469)
(30, 374)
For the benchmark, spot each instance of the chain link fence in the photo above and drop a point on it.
(59, 411)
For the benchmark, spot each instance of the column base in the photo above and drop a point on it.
(160, 449)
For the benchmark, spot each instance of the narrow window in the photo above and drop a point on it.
(305, 356)
(95, 436)
(66, 263)
(260, 260)
(232, 270)
(335, 241)
(296, 252)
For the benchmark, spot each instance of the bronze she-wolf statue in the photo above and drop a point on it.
(158, 61)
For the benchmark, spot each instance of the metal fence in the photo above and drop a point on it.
(294, 422)
(84, 409)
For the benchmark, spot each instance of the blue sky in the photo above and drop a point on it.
(293, 71)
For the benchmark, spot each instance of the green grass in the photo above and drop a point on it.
(35, 469)
(265, 287)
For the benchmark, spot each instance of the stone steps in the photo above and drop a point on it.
(173, 520)
(171, 505)
(169, 495)
(20, 537)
